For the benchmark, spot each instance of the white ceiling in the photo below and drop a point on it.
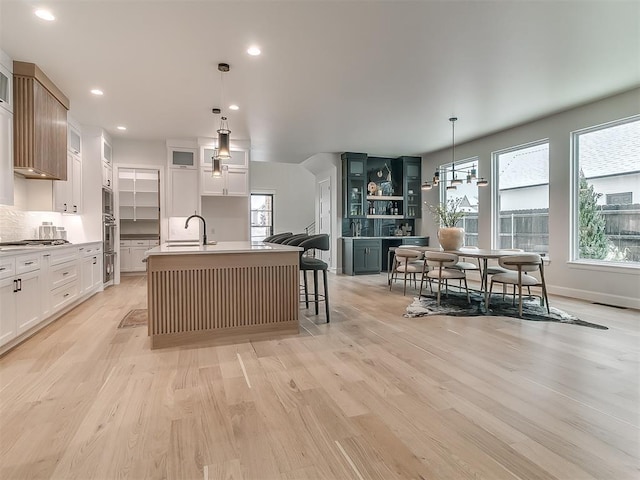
(334, 76)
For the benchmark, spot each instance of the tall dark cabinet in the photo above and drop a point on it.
(354, 180)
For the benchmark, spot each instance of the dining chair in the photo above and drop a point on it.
(441, 270)
(495, 269)
(517, 267)
(468, 266)
(406, 262)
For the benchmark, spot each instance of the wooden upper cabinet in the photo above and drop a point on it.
(40, 124)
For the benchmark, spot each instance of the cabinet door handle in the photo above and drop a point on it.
(95, 260)
(66, 295)
(108, 183)
(28, 263)
(2, 268)
(19, 284)
(65, 273)
(65, 207)
(75, 209)
(15, 286)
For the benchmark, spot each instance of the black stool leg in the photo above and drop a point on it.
(326, 294)
(306, 289)
(315, 289)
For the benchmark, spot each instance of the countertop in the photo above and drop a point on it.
(220, 248)
(20, 249)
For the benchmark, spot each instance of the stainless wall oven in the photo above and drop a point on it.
(107, 201)
(109, 239)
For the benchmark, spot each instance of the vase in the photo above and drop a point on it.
(451, 238)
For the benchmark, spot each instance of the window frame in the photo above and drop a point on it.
(495, 188)
(271, 194)
(574, 249)
(444, 179)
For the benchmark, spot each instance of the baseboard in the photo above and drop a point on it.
(595, 297)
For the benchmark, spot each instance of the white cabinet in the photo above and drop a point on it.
(132, 254)
(74, 140)
(182, 157)
(183, 193)
(105, 150)
(20, 295)
(90, 267)
(107, 175)
(6, 157)
(239, 158)
(232, 182)
(67, 194)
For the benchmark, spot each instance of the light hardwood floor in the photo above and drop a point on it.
(370, 395)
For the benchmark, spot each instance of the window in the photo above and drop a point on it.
(467, 191)
(261, 216)
(521, 193)
(606, 160)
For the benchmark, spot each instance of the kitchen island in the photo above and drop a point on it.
(230, 291)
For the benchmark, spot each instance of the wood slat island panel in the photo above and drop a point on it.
(217, 297)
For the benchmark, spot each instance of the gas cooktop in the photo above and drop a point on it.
(34, 242)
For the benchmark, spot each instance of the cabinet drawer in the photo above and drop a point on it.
(7, 267)
(63, 274)
(125, 243)
(63, 295)
(89, 250)
(28, 263)
(62, 256)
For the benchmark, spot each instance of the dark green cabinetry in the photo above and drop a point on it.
(354, 184)
(396, 181)
(361, 256)
(412, 183)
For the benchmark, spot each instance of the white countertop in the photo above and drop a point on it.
(221, 247)
(20, 249)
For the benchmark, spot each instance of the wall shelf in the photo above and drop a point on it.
(385, 198)
(385, 216)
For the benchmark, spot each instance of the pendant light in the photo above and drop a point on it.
(217, 167)
(223, 131)
(471, 174)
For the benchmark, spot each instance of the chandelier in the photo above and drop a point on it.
(470, 174)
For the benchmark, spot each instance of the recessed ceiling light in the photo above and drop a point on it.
(121, 127)
(43, 174)
(31, 169)
(45, 15)
(254, 51)
(234, 107)
(97, 91)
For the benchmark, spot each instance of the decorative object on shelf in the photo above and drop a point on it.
(380, 173)
(448, 215)
(223, 132)
(471, 174)
(372, 188)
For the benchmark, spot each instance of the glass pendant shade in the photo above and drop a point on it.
(217, 169)
(456, 181)
(223, 140)
(426, 186)
(482, 182)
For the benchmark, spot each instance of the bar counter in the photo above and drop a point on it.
(227, 292)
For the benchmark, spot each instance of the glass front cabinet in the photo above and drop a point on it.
(397, 192)
(412, 184)
(354, 177)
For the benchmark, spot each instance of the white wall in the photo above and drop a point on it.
(294, 193)
(327, 166)
(613, 285)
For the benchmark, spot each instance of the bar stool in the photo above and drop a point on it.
(318, 242)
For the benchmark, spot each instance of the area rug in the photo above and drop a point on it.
(456, 305)
(134, 318)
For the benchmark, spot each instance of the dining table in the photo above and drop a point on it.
(482, 254)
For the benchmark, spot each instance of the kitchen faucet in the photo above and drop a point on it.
(204, 227)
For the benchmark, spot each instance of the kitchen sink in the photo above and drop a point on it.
(187, 244)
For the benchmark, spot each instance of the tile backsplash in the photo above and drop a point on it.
(18, 224)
